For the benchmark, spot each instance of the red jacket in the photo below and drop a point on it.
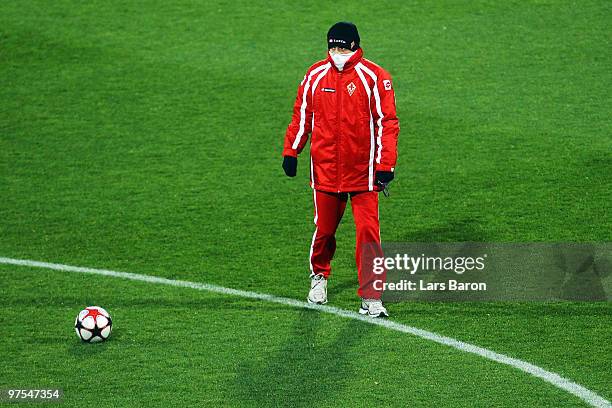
(351, 115)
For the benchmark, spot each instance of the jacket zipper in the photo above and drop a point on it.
(338, 129)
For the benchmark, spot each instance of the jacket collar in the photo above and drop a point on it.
(350, 64)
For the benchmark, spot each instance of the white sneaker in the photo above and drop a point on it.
(318, 290)
(373, 308)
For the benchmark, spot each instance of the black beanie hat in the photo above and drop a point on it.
(343, 35)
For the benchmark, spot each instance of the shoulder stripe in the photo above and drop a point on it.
(300, 132)
(312, 68)
(378, 109)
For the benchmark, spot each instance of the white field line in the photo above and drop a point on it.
(578, 390)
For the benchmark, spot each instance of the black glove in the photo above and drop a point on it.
(290, 165)
(384, 177)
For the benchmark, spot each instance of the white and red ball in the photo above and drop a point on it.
(93, 324)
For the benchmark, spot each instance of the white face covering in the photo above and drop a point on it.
(340, 59)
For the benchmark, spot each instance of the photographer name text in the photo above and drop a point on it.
(421, 285)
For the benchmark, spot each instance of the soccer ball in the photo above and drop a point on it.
(93, 324)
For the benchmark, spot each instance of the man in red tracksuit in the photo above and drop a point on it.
(347, 103)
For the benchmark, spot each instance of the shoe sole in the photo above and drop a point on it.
(365, 312)
(316, 303)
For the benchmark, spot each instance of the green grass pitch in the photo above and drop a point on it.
(146, 137)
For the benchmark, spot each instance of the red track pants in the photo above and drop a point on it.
(329, 209)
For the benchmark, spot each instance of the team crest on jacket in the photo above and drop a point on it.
(351, 88)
